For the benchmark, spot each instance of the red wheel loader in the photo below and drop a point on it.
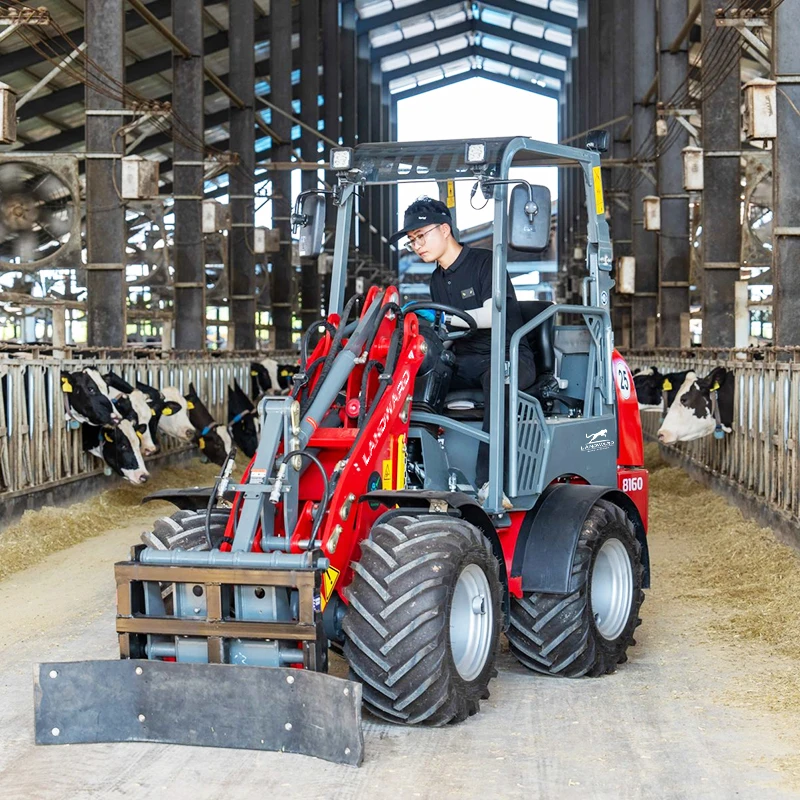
(357, 525)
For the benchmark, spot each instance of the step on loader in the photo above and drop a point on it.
(357, 525)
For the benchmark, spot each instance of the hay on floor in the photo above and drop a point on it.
(38, 533)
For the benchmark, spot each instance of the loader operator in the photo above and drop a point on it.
(463, 279)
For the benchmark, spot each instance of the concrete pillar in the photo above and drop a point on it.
(673, 240)
(281, 96)
(786, 175)
(722, 227)
(309, 113)
(242, 260)
(644, 306)
(187, 169)
(107, 290)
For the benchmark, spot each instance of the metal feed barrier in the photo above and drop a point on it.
(39, 449)
(760, 457)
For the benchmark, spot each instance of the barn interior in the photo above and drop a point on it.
(156, 287)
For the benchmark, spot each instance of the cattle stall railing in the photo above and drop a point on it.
(38, 448)
(760, 456)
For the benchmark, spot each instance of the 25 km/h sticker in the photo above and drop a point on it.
(623, 379)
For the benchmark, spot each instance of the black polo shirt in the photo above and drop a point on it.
(467, 284)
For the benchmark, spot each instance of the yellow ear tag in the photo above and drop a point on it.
(189, 405)
(153, 412)
(253, 373)
(202, 443)
(285, 373)
(667, 386)
(139, 435)
(66, 386)
(108, 438)
(167, 412)
(715, 387)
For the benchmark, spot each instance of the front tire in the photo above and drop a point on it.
(587, 631)
(424, 618)
(186, 530)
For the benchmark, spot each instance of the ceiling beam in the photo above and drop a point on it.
(480, 52)
(474, 73)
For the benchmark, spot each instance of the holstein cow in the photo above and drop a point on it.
(650, 385)
(212, 437)
(120, 389)
(174, 419)
(270, 377)
(159, 406)
(242, 421)
(119, 448)
(87, 398)
(702, 406)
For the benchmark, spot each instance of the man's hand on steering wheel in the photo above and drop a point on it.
(446, 335)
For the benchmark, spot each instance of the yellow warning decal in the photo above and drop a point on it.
(600, 206)
(329, 578)
(451, 194)
(667, 385)
(401, 461)
(387, 474)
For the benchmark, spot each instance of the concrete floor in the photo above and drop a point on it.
(668, 724)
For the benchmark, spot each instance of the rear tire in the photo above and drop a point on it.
(186, 530)
(424, 618)
(589, 630)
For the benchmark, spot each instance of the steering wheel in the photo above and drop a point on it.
(451, 336)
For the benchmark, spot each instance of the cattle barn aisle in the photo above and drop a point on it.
(757, 465)
(708, 705)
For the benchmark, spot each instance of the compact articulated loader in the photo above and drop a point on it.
(357, 523)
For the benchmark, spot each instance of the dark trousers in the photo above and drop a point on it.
(474, 373)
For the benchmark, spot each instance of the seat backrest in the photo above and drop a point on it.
(540, 338)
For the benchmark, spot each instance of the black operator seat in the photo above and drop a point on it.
(467, 404)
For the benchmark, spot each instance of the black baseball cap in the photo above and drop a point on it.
(421, 213)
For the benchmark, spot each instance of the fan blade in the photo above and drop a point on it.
(48, 187)
(25, 247)
(56, 222)
(12, 178)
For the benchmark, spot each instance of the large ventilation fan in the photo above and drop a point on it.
(40, 212)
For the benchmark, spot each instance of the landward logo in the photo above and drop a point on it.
(597, 441)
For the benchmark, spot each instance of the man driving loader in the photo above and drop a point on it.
(463, 279)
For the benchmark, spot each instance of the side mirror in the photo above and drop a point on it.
(529, 219)
(597, 141)
(312, 231)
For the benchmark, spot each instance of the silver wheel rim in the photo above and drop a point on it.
(611, 592)
(471, 622)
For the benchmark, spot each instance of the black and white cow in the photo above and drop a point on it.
(158, 405)
(87, 398)
(211, 437)
(701, 407)
(119, 448)
(270, 377)
(242, 421)
(174, 420)
(650, 385)
(119, 389)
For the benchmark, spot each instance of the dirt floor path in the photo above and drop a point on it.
(708, 705)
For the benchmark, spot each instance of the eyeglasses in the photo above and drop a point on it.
(412, 244)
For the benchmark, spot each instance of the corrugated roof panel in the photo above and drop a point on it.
(456, 43)
(550, 60)
(401, 84)
(371, 8)
(558, 36)
(568, 7)
(528, 27)
(380, 37)
(417, 26)
(493, 16)
(458, 67)
(497, 44)
(528, 53)
(536, 3)
(498, 67)
(395, 62)
(423, 53)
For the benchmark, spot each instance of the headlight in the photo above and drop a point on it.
(475, 153)
(341, 159)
